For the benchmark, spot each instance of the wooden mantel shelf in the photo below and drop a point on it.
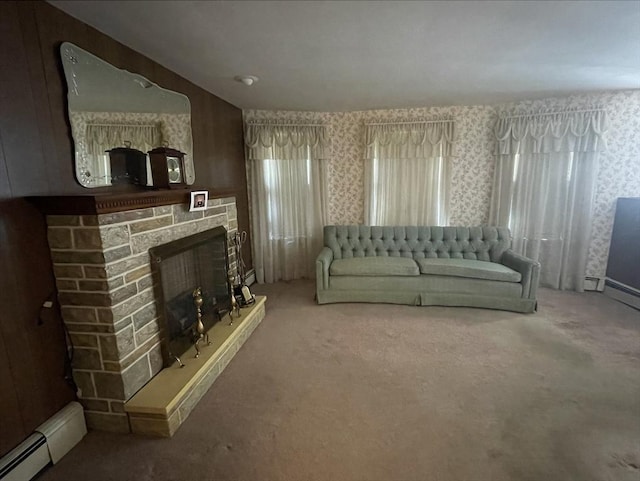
(109, 202)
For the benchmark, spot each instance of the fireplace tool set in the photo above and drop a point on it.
(241, 291)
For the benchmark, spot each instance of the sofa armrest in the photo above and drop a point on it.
(528, 269)
(323, 261)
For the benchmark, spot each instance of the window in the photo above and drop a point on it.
(407, 173)
(288, 184)
(286, 168)
(544, 186)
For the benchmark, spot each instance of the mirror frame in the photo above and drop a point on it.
(176, 132)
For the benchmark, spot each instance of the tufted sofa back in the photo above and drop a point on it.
(417, 242)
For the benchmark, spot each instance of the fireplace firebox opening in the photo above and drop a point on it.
(182, 267)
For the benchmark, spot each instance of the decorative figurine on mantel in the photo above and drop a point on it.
(199, 333)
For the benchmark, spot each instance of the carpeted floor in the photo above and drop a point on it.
(399, 393)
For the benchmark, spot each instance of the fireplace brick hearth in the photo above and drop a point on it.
(106, 293)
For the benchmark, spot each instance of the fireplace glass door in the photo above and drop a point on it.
(182, 266)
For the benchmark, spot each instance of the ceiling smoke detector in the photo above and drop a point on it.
(248, 80)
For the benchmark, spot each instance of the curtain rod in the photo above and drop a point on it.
(411, 122)
(276, 124)
(551, 113)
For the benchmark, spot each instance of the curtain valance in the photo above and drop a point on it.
(102, 137)
(271, 141)
(409, 140)
(569, 131)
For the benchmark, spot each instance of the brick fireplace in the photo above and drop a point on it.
(106, 293)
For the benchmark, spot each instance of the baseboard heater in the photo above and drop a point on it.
(621, 292)
(47, 445)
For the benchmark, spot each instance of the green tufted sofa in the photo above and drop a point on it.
(442, 266)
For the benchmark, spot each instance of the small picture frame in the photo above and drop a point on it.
(199, 199)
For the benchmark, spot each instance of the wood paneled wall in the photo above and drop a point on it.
(36, 158)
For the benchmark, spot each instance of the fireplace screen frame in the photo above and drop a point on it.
(174, 347)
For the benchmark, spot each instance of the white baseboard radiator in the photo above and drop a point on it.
(622, 292)
(48, 444)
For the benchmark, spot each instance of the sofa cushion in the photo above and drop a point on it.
(468, 268)
(374, 266)
(427, 284)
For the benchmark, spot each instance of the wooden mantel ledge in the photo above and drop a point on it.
(109, 202)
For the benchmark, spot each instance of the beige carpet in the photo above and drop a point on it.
(382, 392)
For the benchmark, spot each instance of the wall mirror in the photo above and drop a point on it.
(111, 108)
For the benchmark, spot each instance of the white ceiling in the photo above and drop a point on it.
(358, 55)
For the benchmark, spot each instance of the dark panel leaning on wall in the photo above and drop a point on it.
(36, 158)
(624, 257)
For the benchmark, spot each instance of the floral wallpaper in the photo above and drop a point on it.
(472, 171)
(175, 129)
(473, 162)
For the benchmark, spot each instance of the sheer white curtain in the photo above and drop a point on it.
(407, 170)
(287, 181)
(544, 187)
(102, 137)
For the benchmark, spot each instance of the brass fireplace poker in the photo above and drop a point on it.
(199, 333)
